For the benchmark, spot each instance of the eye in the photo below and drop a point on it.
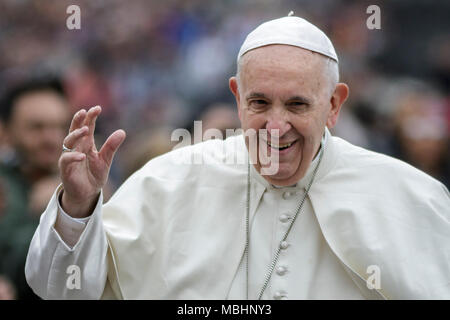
(36, 126)
(258, 102)
(258, 105)
(297, 105)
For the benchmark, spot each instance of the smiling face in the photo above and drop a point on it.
(287, 88)
(38, 124)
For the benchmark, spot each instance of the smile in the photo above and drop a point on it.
(280, 146)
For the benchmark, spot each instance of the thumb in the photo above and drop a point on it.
(111, 145)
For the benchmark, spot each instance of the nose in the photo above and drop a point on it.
(279, 124)
(53, 135)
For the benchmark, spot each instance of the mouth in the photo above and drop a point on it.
(281, 146)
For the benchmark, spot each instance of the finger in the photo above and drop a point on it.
(77, 120)
(70, 157)
(111, 145)
(91, 117)
(71, 140)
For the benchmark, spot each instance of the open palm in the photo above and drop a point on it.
(84, 170)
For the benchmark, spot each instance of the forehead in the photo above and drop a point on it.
(39, 106)
(282, 65)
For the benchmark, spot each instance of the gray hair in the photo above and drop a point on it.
(332, 72)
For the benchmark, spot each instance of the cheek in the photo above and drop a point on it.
(62, 134)
(24, 137)
(310, 129)
(304, 126)
(252, 121)
(32, 141)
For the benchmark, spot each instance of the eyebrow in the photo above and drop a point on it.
(300, 99)
(256, 95)
(293, 98)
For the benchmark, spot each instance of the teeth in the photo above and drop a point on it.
(280, 146)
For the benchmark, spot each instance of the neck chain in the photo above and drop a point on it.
(277, 253)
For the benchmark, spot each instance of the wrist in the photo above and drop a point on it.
(77, 208)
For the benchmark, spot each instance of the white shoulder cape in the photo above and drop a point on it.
(177, 231)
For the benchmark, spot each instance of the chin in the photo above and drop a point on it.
(46, 166)
(284, 182)
(284, 177)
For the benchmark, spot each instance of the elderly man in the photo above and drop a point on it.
(334, 221)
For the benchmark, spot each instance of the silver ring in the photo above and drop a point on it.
(65, 149)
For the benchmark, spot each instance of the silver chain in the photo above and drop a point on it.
(247, 240)
(277, 253)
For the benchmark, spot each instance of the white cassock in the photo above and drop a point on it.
(177, 231)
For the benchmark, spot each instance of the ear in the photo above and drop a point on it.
(233, 84)
(338, 98)
(5, 135)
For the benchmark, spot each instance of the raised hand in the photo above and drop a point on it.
(84, 170)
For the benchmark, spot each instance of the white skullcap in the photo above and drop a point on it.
(292, 31)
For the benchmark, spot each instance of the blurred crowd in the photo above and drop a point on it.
(155, 66)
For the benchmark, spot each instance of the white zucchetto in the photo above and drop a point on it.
(290, 30)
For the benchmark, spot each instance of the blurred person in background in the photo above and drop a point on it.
(35, 114)
(421, 130)
(156, 141)
(145, 146)
(7, 289)
(220, 116)
(5, 149)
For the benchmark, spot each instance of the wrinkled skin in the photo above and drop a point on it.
(286, 88)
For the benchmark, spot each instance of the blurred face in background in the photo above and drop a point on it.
(37, 127)
(422, 130)
(287, 88)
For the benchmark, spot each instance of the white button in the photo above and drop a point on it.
(284, 245)
(287, 195)
(284, 218)
(281, 270)
(279, 295)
